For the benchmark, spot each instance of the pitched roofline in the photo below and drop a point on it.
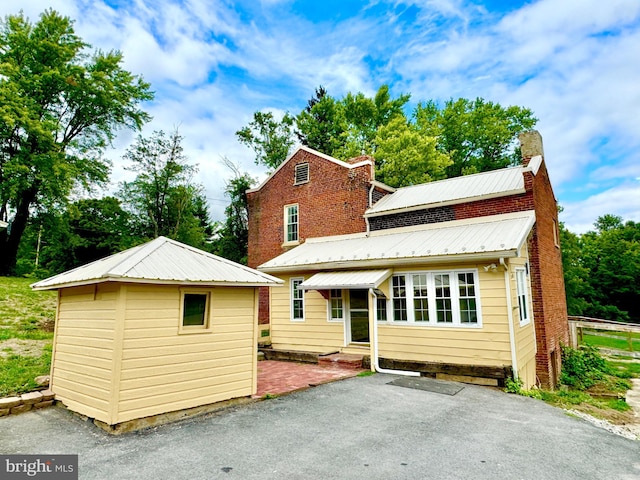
(107, 279)
(317, 154)
(383, 186)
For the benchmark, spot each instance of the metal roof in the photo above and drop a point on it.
(161, 261)
(506, 181)
(483, 237)
(349, 279)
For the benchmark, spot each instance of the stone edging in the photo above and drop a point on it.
(26, 402)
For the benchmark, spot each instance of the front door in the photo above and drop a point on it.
(359, 316)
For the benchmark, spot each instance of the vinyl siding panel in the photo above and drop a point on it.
(83, 348)
(524, 334)
(487, 346)
(165, 370)
(315, 333)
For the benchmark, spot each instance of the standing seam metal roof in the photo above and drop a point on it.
(161, 261)
(496, 235)
(452, 190)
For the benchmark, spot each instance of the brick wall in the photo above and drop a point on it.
(416, 217)
(333, 202)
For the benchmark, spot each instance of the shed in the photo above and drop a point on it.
(158, 328)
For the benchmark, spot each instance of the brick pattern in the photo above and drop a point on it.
(416, 217)
(333, 202)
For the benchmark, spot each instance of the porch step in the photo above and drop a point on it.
(342, 360)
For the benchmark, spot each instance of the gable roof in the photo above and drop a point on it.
(496, 183)
(470, 239)
(160, 261)
(317, 154)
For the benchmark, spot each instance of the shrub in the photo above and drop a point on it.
(583, 367)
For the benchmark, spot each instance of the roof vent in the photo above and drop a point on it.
(301, 173)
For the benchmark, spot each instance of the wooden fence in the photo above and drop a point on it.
(578, 324)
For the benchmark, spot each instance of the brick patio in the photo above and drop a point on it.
(276, 378)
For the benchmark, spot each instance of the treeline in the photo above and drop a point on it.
(602, 270)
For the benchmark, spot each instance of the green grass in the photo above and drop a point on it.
(26, 316)
(614, 343)
(366, 373)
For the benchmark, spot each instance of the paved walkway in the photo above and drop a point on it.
(276, 378)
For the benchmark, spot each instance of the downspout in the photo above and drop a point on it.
(512, 335)
(374, 353)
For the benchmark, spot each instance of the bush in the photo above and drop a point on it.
(583, 367)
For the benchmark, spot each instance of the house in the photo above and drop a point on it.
(460, 278)
(158, 328)
(309, 195)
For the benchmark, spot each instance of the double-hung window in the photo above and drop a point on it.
(436, 298)
(291, 223)
(297, 300)
(336, 305)
(523, 295)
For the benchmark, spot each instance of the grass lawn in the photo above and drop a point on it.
(621, 343)
(26, 333)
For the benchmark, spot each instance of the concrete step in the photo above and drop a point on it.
(341, 360)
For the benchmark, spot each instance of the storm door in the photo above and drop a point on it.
(359, 316)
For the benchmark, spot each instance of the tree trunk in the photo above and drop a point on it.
(9, 243)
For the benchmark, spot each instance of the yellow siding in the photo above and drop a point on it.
(487, 346)
(525, 334)
(163, 370)
(315, 334)
(81, 370)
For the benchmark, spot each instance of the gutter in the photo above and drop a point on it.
(374, 346)
(512, 336)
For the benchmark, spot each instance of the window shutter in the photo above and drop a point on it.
(301, 173)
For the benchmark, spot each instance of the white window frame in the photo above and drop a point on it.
(287, 209)
(330, 304)
(522, 296)
(431, 298)
(293, 290)
(206, 327)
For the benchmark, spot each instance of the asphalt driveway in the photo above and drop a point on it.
(360, 428)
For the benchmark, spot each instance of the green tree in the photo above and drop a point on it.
(270, 139)
(232, 236)
(60, 107)
(477, 135)
(163, 198)
(405, 156)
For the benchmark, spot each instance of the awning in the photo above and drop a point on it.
(347, 280)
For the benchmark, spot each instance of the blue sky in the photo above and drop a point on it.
(576, 64)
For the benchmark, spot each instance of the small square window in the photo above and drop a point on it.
(194, 311)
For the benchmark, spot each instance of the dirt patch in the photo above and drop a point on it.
(25, 348)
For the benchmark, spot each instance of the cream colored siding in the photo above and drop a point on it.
(164, 371)
(83, 348)
(524, 334)
(315, 333)
(487, 345)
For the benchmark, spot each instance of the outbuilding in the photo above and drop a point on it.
(161, 327)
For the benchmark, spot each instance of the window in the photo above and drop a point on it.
(381, 309)
(399, 298)
(291, 223)
(297, 300)
(194, 311)
(523, 295)
(336, 305)
(555, 234)
(437, 298)
(301, 174)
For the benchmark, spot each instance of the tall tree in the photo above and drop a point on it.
(270, 139)
(162, 197)
(59, 107)
(477, 135)
(232, 236)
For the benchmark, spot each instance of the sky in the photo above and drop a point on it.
(213, 63)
